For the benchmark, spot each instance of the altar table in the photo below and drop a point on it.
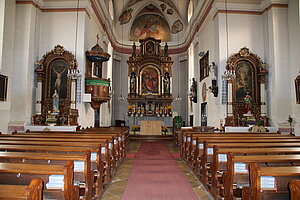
(150, 127)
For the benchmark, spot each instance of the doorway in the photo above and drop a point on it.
(204, 114)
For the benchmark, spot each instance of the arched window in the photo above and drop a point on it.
(111, 9)
(190, 10)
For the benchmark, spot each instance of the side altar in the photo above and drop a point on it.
(150, 83)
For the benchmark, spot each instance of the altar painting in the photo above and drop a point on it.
(244, 77)
(150, 25)
(58, 78)
(150, 81)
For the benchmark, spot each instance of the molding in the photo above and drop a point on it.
(34, 4)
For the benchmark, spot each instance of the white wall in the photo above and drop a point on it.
(294, 59)
(277, 56)
(23, 66)
(6, 58)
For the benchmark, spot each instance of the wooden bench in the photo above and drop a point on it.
(111, 160)
(230, 176)
(294, 186)
(103, 175)
(199, 150)
(190, 140)
(255, 192)
(9, 170)
(119, 141)
(206, 157)
(34, 191)
(219, 165)
(52, 158)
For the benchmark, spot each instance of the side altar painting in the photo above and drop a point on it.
(56, 88)
(246, 90)
(150, 80)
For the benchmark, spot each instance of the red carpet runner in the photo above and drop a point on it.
(155, 175)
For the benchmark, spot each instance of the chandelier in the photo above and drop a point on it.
(229, 74)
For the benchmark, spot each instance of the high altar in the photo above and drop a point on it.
(150, 83)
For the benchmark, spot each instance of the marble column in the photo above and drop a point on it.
(229, 99)
(38, 105)
(73, 94)
(263, 105)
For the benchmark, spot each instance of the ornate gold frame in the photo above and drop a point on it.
(141, 79)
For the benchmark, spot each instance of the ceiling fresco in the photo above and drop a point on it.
(150, 25)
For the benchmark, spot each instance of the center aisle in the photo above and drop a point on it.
(156, 175)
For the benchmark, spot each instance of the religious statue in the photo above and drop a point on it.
(133, 50)
(193, 91)
(55, 97)
(166, 49)
(58, 78)
(167, 84)
(133, 83)
(248, 104)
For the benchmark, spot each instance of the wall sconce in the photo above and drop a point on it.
(214, 88)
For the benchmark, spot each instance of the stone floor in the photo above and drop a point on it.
(117, 187)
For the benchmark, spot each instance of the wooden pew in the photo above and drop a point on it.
(294, 186)
(206, 156)
(189, 140)
(229, 176)
(118, 140)
(253, 192)
(102, 155)
(108, 144)
(218, 166)
(34, 191)
(193, 155)
(52, 158)
(8, 171)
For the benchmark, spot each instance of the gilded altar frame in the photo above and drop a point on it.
(52, 72)
(150, 70)
(250, 78)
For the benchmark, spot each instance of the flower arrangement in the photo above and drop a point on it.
(164, 130)
(129, 107)
(169, 107)
(135, 128)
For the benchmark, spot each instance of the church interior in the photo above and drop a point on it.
(150, 99)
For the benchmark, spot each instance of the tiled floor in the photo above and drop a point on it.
(117, 187)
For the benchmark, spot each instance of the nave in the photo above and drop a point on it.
(117, 187)
(110, 163)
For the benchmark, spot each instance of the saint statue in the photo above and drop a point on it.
(55, 97)
(248, 104)
(166, 49)
(133, 84)
(193, 91)
(134, 49)
(167, 84)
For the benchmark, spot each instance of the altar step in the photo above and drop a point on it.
(151, 137)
